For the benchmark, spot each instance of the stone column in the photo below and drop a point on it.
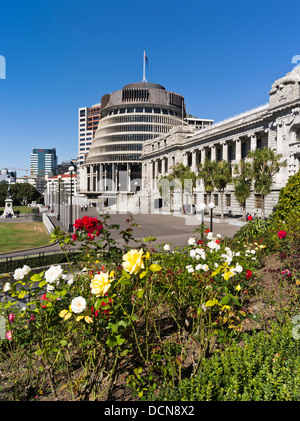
(202, 151)
(194, 163)
(128, 171)
(185, 159)
(253, 141)
(213, 152)
(225, 151)
(101, 177)
(238, 149)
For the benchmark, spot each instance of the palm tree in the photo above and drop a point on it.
(221, 178)
(206, 172)
(182, 177)
(265, 164)
(242, 181)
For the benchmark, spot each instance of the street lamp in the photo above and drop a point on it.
(52, 193)
(71, 169)
(211, 205)
(58, 212)
(202, 207)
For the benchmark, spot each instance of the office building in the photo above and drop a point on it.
(43, 162)
(88, 120)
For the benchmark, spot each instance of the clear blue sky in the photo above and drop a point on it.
(222, 56)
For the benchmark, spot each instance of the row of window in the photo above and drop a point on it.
(121, 147)
(136, 128)
(119, 157)
(143, 119)
(148, 110)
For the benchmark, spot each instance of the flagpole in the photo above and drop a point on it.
(144, 76)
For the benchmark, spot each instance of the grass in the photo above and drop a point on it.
(22, 209)
(18, 236)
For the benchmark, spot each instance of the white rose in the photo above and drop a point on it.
(19, 274)
(198, 267)
(190, 268)
(205, 267)
(78, 305)
(192, 253)
(53, 274)
(192, 241)
(167, 247)
(238, 268)
(210, 235)
(6, 287)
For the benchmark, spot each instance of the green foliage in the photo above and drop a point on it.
(207, 172)
(289, 199)
(167, 321)
(265, 164)
(266, 367)
(242, 182)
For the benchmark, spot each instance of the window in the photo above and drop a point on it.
(227, 200)
(258, 201)
(205, 199)
(259, 145)
(216, 197)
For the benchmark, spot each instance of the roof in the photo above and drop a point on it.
(144, 85)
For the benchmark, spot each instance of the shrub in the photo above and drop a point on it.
(289, 198)
(265, 368)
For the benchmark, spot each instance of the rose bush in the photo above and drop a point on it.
(82, 325)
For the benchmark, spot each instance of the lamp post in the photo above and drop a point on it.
(52, 192)
(211, 205)
(58, 211)
(71, 169)
(202, 207)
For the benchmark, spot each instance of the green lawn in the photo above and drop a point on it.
(22, 209)
(18, 236)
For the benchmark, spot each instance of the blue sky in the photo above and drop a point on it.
(222, 56)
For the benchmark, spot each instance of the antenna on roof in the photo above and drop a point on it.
(144, 62)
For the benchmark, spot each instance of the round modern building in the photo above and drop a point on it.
(138, 112)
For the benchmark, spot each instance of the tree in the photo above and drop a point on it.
(23, 193)
(265, 164)
(207, 172)
(181, 177)
(242, 182)
(221, 178)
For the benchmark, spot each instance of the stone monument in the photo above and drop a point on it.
(8, 209)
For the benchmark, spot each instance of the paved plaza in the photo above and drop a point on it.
(172, 229)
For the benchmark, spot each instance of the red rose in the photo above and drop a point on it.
(249, 218)
(281, 234)
(248, 274)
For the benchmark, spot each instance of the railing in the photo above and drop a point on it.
(10, 263)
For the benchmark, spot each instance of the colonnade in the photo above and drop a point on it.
(231, 150)
(110, 177)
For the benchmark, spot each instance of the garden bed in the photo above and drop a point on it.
(209, 321)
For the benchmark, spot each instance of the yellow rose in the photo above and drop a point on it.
(100, 284)
(133, 261)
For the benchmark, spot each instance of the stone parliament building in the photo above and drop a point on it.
(173, 140)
